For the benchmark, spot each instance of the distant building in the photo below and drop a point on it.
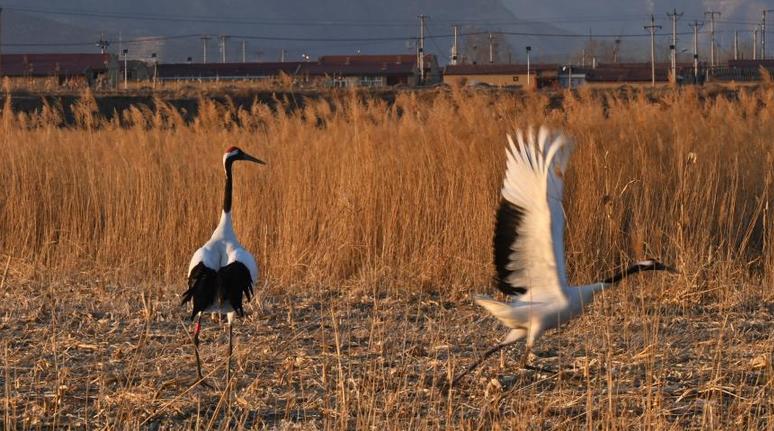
(362, 74)
(619, 74)
(433, 72)
(332, 71)
(742, 70)
(60, 70)
(224, 71)
(502, 75)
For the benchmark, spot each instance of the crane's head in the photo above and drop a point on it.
(233, 154)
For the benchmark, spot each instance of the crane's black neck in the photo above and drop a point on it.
(651, 265)
(227, 194)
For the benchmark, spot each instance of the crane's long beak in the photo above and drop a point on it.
(250, 158)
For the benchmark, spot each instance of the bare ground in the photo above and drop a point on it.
(98, 355)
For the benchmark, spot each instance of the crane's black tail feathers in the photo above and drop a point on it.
(235, 280)
(206, 286)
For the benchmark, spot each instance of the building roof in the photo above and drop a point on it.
(496, 69)
(630, 72)
(358, 69)
(246, 70)
(375, 59)
(645, 65)
(626, 74)
(52, 64)
(214, 70)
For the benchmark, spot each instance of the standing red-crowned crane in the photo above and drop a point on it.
(529, 246)
(221, 271)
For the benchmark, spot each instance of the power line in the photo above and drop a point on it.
(401, 38)
(203, 19)
(341, 39)
(435, 44)
(337, 22)
(91, 43)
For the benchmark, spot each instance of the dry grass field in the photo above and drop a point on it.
(372, 223)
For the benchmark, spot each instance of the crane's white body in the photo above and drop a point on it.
(533, 184)
(221, 272)
(529, 246)
(222, 249)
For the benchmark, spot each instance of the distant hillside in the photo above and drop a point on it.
(20, 28)
(314, 21)
(271, 18)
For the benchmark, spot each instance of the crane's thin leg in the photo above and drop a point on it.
(197, 329)
(230, 350)
(474, 365)
(228, 362)
(525, 359)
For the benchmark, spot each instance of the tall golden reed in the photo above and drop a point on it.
(359, 192)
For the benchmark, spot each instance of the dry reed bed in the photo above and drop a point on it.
(361, 205)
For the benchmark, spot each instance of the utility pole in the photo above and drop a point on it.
(125, 52)
(529, 48)
(696, 26)
(491, 49)
(652, 28)
(675, 16)
(244, 51)
(282, 55)
(454, 46)
(223, 39)
(204, 39)
(102, 44)
(616, 50)
(712, 15)
(421, 49)
(736, 45)
(755, 42)
(155, 60)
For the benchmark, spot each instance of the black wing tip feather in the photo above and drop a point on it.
(201, 283)
(508, 220)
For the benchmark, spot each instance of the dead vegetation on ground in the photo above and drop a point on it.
(372, 224)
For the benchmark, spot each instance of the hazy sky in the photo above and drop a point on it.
(378, 26)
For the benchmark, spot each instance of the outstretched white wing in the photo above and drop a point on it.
(529, 231)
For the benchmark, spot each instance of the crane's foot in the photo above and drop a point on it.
(202, 381)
